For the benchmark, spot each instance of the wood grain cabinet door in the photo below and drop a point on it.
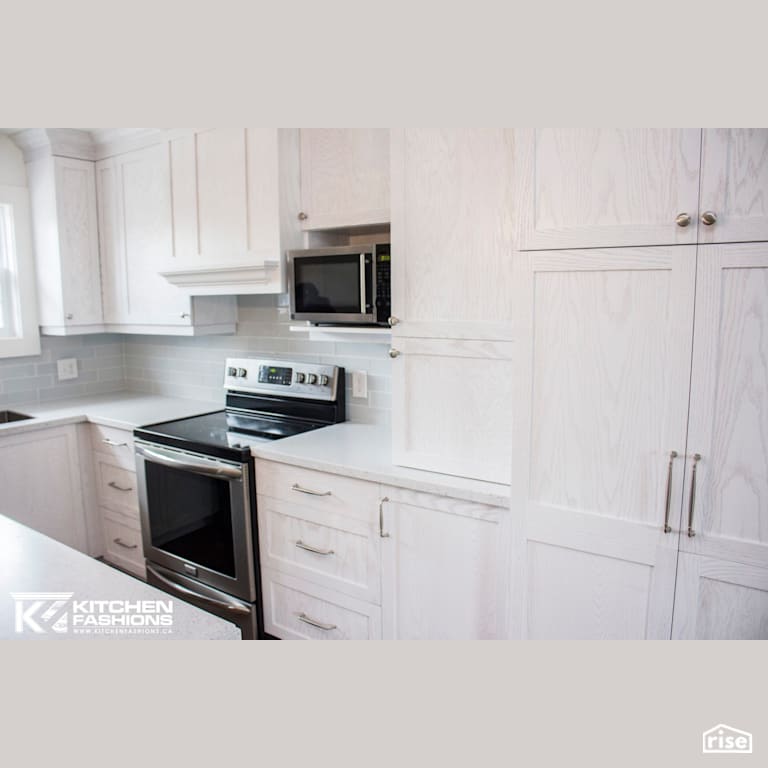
(601, 187)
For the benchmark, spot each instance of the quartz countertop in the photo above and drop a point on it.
(33, 563)
(364, 451)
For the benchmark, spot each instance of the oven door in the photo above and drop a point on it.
(196, 517)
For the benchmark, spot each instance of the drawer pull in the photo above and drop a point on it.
(113, 443)
(382, 501)
(297, 487)
(315, 623)
(309, 548)
(121, 543)
(113, 484)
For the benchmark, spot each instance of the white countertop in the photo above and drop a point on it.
(32, 563)
(364, 451)
(124, 410)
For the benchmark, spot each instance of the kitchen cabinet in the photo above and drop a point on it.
(601, 394)
(137, 241)
(65, 229)
(442, 572)
(234, 194)
(40, 474)
(344, 177)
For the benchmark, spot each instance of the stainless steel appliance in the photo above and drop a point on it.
(347, 285)
(196, 482)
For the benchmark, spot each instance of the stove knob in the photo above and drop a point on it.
(242, 373)
(324, 380)
(300, 378)
(311, 378)
(231, 371)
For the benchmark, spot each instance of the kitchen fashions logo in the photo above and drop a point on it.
(39, 612)
(723, 739)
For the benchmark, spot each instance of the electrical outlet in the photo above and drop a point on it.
(359, 384)
(67, 368)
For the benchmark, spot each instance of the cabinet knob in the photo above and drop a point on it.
(393, 321)
(69, 315)
(303, 216)
(184, 315)
(394, 353)
(683, 220)
(708, 218)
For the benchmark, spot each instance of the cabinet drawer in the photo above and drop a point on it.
(295, 609)
(329, 549)
(116, 486)
(123, 545)
(114, 442)
(318, 490)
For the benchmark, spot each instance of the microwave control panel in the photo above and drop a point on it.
(383, 284)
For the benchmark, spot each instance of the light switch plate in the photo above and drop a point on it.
(67, 368)
(359, 384)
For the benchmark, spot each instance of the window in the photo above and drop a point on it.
(19, 333)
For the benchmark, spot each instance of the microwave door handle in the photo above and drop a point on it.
(199, 466)
(362, 284)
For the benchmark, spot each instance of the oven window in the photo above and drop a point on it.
(328, 284)
(191, 517)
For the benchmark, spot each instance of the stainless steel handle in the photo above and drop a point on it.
(309, 548)
(121, 543)
(692, 499)
(299, 489)
(381, 518)
(672, 457)
(393, 321)
(113, 484)
(195, 597)
(315, 623)
(181, 461)
(303, 216)
(363, 308)
(683, 219)
(114, 443)
(394, 353)
(708, 218)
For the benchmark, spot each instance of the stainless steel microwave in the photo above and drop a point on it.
(345, 285)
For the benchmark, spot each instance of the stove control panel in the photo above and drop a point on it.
(307, 380)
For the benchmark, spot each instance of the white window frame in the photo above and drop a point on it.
(27, 339)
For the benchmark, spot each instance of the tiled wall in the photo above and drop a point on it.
(194, 367)
(100, 367)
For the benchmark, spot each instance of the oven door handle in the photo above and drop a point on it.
(208, 467)
(178, 589)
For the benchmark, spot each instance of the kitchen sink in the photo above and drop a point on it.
(6, 417)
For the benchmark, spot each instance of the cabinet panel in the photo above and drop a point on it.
(734, 184)
(597, 187)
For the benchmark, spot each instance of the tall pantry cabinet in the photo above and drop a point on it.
(641, 458)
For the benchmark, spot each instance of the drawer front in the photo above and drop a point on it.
(116, 487)
(318, 490)
(295, 609)
(117, 443)
(329, 549)
(123, 545)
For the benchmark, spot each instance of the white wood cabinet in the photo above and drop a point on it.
(65, 229)
(136, 234)
(344, 177)
(608, 187)
(235, 199)
(40, 477)
(442, 572)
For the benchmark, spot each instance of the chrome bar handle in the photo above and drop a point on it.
(315, 623)
(121, 543)
(692, 499)
(381, 518)
(672, 457)
(309, 548)
(113, 484)
(113, 443)
(297, 487)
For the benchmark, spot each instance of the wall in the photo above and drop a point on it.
(194, 367)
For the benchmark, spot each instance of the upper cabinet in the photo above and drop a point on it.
(344, 177)
(234, 195)
(601, 187)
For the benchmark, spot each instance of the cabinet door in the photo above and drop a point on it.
(601, 400)
(734, 184)
(452, 407)
(440, 569)
(452, 232)
(344, 177)
(729, 407)
(598, 187)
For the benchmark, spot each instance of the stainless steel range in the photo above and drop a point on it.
(197, 483)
